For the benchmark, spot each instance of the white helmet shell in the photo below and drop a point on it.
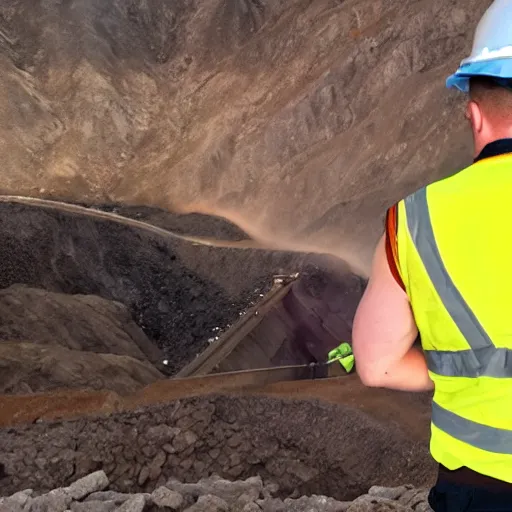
(493, 36)
(492, 47)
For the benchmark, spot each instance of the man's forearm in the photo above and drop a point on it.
(408, 374)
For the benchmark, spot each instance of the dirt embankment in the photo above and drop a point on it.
(77, 322)
(52, 341)
(177, 292)
(176, 428)
(182, 295)
(305, 446)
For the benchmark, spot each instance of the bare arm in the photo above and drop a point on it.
(384, 333)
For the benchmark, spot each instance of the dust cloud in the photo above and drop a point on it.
(263, 235)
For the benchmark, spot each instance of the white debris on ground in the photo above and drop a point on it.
(213, 494)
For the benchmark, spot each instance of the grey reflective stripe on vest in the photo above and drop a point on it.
(490, 439)
(486, 362)
(483, 358)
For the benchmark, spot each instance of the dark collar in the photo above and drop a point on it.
(498, 147)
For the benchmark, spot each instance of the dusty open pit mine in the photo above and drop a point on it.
(190, 197)
(131, 356)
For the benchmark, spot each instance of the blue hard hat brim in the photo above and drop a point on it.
(497, 68)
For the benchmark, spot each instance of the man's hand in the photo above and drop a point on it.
(384, 333)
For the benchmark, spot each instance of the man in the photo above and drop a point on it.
(444, 270)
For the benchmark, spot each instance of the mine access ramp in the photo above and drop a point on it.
(267, 344)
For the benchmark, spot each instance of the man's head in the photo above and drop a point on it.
(490, 99)
(489, 111)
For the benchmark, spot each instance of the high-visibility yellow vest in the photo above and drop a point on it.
(454, 246)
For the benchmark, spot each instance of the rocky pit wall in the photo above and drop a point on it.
(304, 447)
(282, 115)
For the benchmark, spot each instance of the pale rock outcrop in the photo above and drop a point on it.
(209, 495)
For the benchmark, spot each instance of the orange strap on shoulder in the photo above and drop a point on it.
(392, 245)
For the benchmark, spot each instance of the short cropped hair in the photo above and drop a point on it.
(494, 97)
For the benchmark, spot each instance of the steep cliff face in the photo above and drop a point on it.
(299, 120)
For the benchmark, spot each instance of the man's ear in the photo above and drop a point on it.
(475, 116)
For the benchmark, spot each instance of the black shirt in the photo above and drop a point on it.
(496, 148)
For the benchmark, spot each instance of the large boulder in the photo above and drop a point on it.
(52, 341)
(301, 121)
(78, 322)
(27, 368)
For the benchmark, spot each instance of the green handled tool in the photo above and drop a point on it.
(344, 355)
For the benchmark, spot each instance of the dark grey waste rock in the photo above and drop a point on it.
(390, 493)
(91, 483)
(21, 497)
(271, 505)
(183, 440)
(58, 500)
(213, 494)
(209, 503)
(243, 505)
(245, 498)
(164, 497)
(161, 434)
(94, 506)
(252, 488)
(270, 490)
(16, 502)
(368, 503)
(251, 507)
(118, 497)
(405, 496)
(320, 503)
(143, 476)
(302, 471)
(6, 505)
(423, 507)
(155, 468)
(304, 504)
(416, 499)
(134, 504)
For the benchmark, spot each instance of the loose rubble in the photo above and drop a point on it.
(213, 494)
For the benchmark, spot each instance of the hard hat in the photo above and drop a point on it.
(492, 48)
